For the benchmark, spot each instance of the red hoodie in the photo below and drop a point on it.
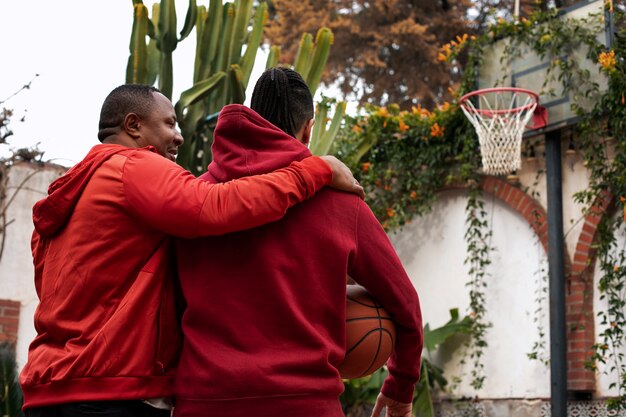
(106, 322)
(264, 327)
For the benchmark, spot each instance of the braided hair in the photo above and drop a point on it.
(282, 97)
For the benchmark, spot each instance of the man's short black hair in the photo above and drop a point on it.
(282, 97)
(127, 98)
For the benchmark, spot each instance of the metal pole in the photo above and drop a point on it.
(558, 336)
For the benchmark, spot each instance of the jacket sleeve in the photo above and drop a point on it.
(376, 266)
(172, 200)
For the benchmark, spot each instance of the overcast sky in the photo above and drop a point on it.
(79, 49)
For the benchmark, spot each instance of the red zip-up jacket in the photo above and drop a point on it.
(106, 322)
(264, 327)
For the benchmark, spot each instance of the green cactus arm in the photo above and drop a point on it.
(188, 127)
(302, 63)
(328, 137)
(166, 74)
(254, 41)
(273, 57)
(136, 69)
(223, 59)
(237, 89)
(211, 37)
(191, 99)
(323, 41)
(153, 24)
(190, 20)
(242, 20)
(154, 62)
(319, 127)
(154, 53)
(167, 26)
(201, 16)
(222, 94)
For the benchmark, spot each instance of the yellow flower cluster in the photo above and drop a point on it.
(419, 111)
(607, 60)
(446, 51)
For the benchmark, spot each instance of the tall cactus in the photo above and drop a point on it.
(221, 71)
(310, 62)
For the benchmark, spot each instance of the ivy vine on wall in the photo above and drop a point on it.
(404, 157)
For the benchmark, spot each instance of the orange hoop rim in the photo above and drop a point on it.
(463, 100)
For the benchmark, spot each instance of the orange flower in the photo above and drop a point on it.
(357, 129)
(436, 130)
(413, 195)
(607, 60)
(365, 167)
(390, 212)
(420, 111)
(387, 187)
(444, 107)
(622, 99)
(403, 127)
(616, 268)
(382, 112)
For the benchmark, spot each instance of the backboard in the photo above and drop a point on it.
(526, 69)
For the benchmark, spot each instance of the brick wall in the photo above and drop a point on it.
(9, 320)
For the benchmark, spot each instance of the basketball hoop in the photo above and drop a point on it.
(500, 116)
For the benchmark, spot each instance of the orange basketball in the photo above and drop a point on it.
(370, 334)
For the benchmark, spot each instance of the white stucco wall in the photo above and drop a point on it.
(433, 249)
(16, 268)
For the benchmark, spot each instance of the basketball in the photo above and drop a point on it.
(370, 334)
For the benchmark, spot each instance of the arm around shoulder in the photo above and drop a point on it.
(172, 200)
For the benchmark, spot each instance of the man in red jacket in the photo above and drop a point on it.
(107, 334)
(264, 327)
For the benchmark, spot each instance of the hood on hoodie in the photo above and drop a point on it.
(245, 144)
(51, 213)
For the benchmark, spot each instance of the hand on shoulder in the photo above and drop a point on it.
(342, 177)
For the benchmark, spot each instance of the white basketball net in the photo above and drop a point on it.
(500, 121)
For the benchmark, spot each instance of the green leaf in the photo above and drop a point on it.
(423, 403)
(433, 338)
(198, 92)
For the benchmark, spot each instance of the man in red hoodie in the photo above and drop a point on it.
(264, 327)
(107, 332)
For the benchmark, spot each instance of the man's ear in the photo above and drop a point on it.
(132, 125)
(306, 134)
